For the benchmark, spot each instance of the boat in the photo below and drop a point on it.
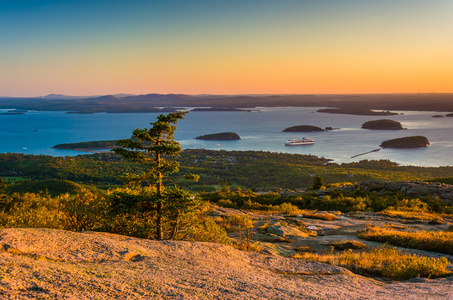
(302, 142)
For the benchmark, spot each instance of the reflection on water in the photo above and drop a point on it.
(37, 132)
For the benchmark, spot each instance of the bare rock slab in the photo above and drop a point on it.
(56, 264)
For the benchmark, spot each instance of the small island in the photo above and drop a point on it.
(356, 111)
(15, 112)
(406, 142)
(222, 136)
(302, 128)
(449, 115)
(87, 146)
(224, 109)
(383, 124)
(437, 116)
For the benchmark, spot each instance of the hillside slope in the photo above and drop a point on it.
(56, 264)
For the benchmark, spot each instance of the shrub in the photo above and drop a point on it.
(249, 204)
(140, 225)
(31, 210)
(244, 225)
(83, 211)
(289, 209)
(205, 230)
(344, 245)
(415, 205)
(226, 203)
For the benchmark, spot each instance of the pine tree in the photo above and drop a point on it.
(318, 182)
(150, 147)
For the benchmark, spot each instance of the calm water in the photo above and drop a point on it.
(37, 132)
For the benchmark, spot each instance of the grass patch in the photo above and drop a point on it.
(14, 179)
(441, 241)
(411, 215)
(320, 216)
(384, 262)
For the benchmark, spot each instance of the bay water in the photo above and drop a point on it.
(35, 132)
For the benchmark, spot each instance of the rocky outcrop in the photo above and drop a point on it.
(406, 142)
(285, 231)
(383, 124)
(303, 128)
(223, 136)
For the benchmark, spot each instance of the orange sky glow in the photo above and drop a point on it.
(239, 47)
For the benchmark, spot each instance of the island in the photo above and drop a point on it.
(449, 115)
(302, 128)
(13, 112)
(222, 136)
(383, 124)
(356, 111)
(406, 142)
(437, 116)
(87, 146)
(224, 109)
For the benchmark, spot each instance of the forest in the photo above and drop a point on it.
(255, 170)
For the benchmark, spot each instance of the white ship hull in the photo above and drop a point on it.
(301, 142)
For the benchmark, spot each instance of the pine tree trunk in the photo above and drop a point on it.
(159, 203)
(159, 221)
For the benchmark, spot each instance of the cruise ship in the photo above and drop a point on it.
(302, 142)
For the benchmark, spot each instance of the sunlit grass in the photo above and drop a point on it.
(412, 215)
(441, 241)
(384, 262)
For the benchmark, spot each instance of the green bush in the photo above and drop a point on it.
(226, 203)
(83, 211)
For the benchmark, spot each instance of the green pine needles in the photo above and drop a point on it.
(150, 147)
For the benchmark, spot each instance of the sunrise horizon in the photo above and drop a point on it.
(226, 48)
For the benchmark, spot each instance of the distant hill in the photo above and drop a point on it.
(53, 186)
(122, 103)
(67, 97)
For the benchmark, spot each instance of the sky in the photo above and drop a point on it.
(99, 47)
